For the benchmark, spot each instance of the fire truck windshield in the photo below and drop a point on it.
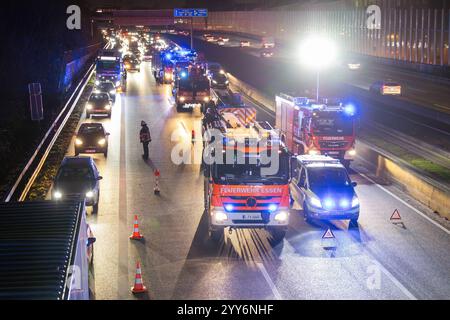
(105, 65)
(188, 84)
(332, 125)
(233, 173)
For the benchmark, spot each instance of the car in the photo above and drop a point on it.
(99, 103)
(147, 56)
(218, 80)
(387, 87)
(353, 65)
(132, 63)
(78, 177)
(322, 187)
(244, 43)
(225, 39)
(220, 42)
(107, 87)
(212, 67)
(91, 138)
(266, 53)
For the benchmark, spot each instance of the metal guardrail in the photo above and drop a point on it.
(58, 124)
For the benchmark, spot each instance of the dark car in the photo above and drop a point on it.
(132, 64)
(91, 138)
(266, 53)
(99, 103)
(106, 87)
(219, 80)
(78, 177)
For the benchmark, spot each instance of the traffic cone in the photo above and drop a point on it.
(136, 234)
(138, 283)
(193, 136)
(156, 189)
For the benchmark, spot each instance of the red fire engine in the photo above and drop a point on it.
(309, 127)
(239, 192)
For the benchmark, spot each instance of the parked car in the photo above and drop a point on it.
(78, 177)
(91, 138)
(99, 103)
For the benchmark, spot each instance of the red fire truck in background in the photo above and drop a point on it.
(240, 193)
(191, 88)
(309, 127)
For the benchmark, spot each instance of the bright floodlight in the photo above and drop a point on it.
(317, 52)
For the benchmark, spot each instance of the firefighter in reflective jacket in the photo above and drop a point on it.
(145, 138)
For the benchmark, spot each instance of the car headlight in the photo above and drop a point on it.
(281, 216)
(352, 152)
(108, 107)
(315, 202)
(57, 195)
(206, 99)
(214, 81)
(313, 152)
(97, 82)
(182, 99)
(220, 216)
(227, 82)
(89, 194)
(355, 202)
(89, 106)
(102, 141)
(78, 142)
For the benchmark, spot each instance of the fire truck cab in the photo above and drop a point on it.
(191, 88)
(326, 127)
(246, 174)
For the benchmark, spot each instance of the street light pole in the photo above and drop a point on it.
(317, 85)
(192, 33)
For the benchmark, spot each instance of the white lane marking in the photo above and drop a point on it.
(406, 203)
(269, 281)
(405, 291)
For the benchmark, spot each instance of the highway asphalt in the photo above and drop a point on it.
(377, 260)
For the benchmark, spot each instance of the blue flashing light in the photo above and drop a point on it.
(273, 207)
(168, 56)
(183, 74)
(328, 204)
(229, 207)
(350, 109)
(344, 203)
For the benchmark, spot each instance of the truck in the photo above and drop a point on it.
(47, 250)
(109, 67)
(192, 88)
(325, 127)
(163, 67)
(241, 188)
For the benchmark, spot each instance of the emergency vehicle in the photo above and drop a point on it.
(191, 88)
(310, 127)
(242, 189)
(109, 67)
(163, 67)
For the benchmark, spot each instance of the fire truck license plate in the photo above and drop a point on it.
(251, 216)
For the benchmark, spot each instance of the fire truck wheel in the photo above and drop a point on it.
(216, 235)
(278, 234)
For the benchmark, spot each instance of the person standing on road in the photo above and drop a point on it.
(145, 138)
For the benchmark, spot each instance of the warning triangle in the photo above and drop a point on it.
(328, 234)
(396, 215)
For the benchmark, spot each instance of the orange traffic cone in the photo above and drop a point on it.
(138, 284)
(136, 234)
(193, 137)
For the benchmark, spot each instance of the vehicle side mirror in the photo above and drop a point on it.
(99, 178)
(91, 241)
(354, 184)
